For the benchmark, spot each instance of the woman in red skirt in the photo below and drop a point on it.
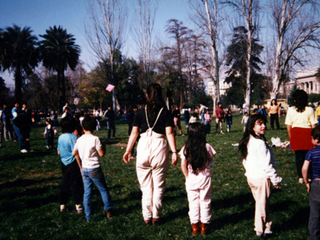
(300, 120)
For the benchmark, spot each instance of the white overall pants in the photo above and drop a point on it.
(152, 164)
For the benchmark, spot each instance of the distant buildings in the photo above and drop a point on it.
(304, 79)
(307, 81)
(223, 87)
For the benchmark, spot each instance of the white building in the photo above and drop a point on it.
(223, 86)
(307, 81)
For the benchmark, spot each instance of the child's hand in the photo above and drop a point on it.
(308, 187)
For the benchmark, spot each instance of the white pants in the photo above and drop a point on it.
(199, 203)
(152, 164)
(261, 191)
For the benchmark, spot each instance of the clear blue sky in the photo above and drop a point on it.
(39, 15)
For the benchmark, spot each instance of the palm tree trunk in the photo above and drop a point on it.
(18, 84)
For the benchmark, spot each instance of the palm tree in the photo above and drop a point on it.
(58, 51)
(18, 53)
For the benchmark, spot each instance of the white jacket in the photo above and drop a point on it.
(260, 162)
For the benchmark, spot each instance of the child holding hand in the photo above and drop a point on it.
(196, 157)
(313, 158)
(259, 163)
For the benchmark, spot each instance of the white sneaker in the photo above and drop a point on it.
(267, 232)
(301, 180)
(24, 151)
(79, 208)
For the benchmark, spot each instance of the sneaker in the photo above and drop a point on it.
(79, 208)
(109, 213)
(62, 208)
(47, 147)
(301, 180)
(267, 233)
(24, 151)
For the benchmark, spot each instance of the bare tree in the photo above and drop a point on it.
(180, 34)
(297, 24)
(105, 31)
(143, 33)
(208, 20)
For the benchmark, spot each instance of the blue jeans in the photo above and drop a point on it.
(22, 141)
(314, 218)
(90, 176)
(202, 118)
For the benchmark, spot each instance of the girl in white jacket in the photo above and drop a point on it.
(259, 163)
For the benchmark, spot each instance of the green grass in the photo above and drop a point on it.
(29, 194)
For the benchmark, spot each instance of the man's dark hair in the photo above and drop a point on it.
(315, 133)
(68, 124)
(89, 123)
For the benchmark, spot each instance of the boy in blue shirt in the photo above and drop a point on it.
(313, 188)
(71, 175)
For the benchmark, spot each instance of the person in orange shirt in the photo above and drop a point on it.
(274, 113)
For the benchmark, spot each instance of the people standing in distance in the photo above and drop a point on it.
(111, 125)
(219, 118)
(274, 113)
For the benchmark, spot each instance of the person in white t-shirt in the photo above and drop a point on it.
(89, 148)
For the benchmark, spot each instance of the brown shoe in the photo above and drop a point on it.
(109, 213)
(155, 221)
(195, 228)
(148, 222)
(204, 228)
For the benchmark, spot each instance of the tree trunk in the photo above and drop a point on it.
(18, 84)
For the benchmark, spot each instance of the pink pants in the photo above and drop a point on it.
(199, 202)
(152, 164)
(260, 189)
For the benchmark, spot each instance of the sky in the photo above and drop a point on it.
(39, 15)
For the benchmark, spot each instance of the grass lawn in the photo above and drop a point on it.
(29, 194)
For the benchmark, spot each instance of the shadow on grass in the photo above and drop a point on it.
(299, 218)
(31, 198)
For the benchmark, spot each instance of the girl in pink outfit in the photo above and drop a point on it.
(196, 157)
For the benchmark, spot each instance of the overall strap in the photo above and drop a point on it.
(156, 118)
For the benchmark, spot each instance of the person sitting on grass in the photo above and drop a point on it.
(196, 156)
(89, 149)
(71, 177)
(313, 188)
(259, 163)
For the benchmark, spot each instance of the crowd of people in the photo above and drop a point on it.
(155, 127)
